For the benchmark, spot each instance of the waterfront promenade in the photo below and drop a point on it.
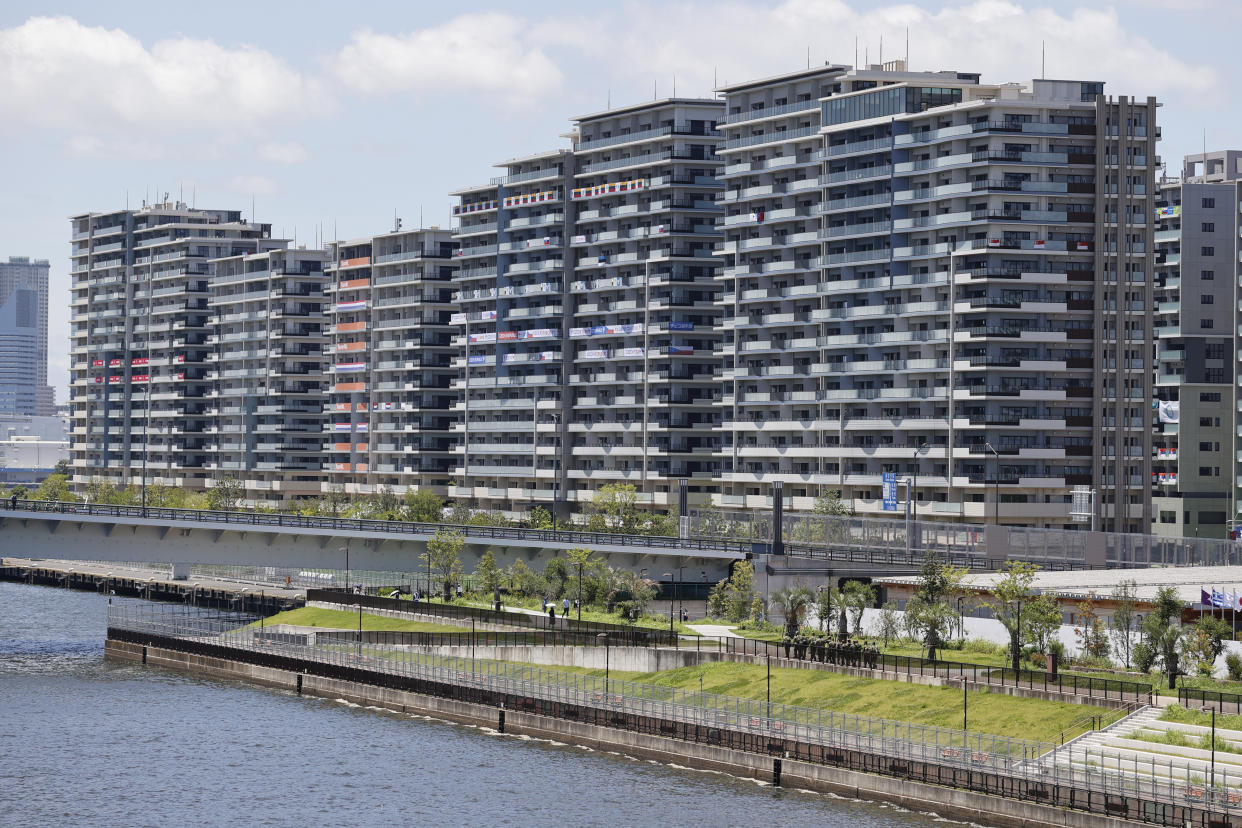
(943, 756)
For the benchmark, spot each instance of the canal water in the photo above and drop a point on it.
(84, 741)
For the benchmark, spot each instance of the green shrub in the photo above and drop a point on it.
(1144, 656)
(1233, 663)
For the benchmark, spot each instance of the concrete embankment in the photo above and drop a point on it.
(894, 785)
(151, 585)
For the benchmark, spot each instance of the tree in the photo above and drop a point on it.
(1195, 648)
(443, 558)
(579, 559)
(1121, 625)
(1008, 594)
(523, 580)
(1216, 631)
(614, 508)
(1090, 632)
(823, 609)
(830, 503)
(55, 487)
(938, 583)
(793, 602)
(556, 576)
(488, 573)
(385, 505)
(540, 518)
(225, 495)
(1162, 630)
(857, 596)
(423, 506)
(1041, 619)
(740, 591)
(887, 625)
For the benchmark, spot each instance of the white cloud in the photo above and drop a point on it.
(999, 38)
(490, 54)
(60, 73)
(286, 152)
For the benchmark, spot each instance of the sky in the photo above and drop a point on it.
(331, 118)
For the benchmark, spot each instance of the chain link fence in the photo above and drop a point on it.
(1172, 780)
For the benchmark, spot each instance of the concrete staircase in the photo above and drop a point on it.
(1180, 764)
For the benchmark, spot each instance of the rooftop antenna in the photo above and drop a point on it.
(907, 48)
(1043, 60)
(855, 51)
(808, 57)
(674, 86)
(654, 86)
(194, 196)
(881, 51)
(181, 190)
(715, 83)
(420, 217)
(127, 198)
(252, 207)
(609, 99)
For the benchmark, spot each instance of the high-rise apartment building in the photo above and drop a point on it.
(1195, 478)
(939, 279)
(389, 403)
(23, 338)
(588, 317)
(142, 410)
(267, 373)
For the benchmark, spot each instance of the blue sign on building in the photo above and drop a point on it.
(890, 491)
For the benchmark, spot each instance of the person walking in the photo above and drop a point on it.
(551, 614)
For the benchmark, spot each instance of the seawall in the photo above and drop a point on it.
(896, 788)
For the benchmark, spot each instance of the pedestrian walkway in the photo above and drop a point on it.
(1152, 751)
(713, 630)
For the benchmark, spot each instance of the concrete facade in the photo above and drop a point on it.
(921, 279)
(389, 404)
(1199, 219)
(141, 341)
(24, 389)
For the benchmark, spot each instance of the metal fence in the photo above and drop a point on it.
(391, 527)
(1062, 682)
(1211, 699)
(620, 634)
(1169, 790)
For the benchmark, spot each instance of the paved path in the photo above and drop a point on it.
(158, 574)
(713, 630)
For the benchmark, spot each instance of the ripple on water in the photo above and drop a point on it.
(145, 746)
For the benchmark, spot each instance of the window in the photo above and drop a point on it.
(1207, 250)
(1206, 323)
(1207, 299)
(1207, 275)
(1209, 203)
(1209, 396)
(1209, 227)
(1205, 471)
(1214, 350)
(1168, 517)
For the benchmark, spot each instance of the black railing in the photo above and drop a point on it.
(394, 527)
(1062, 683)
(618, 634)
(1213, 699)
(1083, 799)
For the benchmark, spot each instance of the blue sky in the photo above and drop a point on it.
(336, 114)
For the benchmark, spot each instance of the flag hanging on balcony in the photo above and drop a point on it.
(994, 242)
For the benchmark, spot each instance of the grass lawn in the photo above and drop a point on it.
(344, 619)
(992, 713)
(1184, 715)
(651, 622)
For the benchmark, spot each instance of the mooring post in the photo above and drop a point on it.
(776, 773)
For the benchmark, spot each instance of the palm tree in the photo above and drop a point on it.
(793, 601)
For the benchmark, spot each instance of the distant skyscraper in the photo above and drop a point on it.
(23, 337)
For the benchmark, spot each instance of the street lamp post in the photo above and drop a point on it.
(345, 549)
(914, 488)
(604, 637)
(995, 486)
(1212, 777)
(556, 484)
(769, 655)
(681, 579)
(669, 575)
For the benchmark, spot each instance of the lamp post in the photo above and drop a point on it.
(579, 591)
(769, 655)
(964, 710)
(604, 637)
(681, 579)
(345, 549)
(556, 487)
(961, 622)
(995, 486)
(914, 488)
(1212, 777)
(669, 575)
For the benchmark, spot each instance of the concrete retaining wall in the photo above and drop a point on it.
(957, 804)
